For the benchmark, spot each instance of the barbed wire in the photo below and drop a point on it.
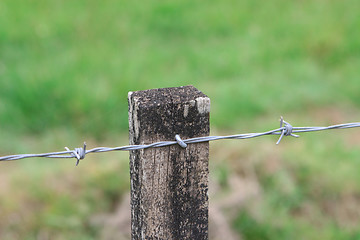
(286, 129)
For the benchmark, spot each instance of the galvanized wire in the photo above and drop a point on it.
(286, 129)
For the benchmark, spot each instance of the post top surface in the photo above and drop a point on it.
(161, 96)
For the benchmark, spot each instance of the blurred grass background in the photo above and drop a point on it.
(66, 68)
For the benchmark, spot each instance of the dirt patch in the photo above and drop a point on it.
(344, 210)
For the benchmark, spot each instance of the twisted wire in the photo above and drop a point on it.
(286, 129)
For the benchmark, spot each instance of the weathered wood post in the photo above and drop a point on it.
(169, 185)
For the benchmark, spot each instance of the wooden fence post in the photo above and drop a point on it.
(169, 185)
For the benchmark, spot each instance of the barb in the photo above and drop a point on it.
(286, 129)
(79, 153)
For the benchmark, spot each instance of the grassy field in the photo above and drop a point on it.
(66, 68)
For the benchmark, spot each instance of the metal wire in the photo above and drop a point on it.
(286, 129)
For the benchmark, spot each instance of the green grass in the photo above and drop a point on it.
(308, 190)
(71, 64)
(66, 68)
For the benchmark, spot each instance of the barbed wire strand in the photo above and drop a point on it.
(286, 129)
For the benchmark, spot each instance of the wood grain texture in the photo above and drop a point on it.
(169, 185)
